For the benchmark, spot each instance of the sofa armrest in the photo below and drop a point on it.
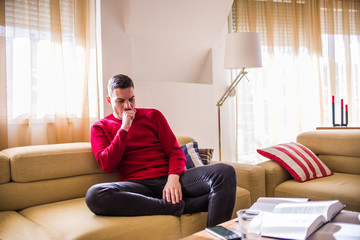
(250, 177)
(274, 175)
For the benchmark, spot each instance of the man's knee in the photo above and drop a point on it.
(93, 198)
(227, 172)
(226, 169)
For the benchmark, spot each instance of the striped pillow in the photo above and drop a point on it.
(192, 155)
(298, 160)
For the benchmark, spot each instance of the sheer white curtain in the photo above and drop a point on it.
(48, 71)
(310, 52)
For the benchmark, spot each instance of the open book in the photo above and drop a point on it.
(296, 218)
(345, 226)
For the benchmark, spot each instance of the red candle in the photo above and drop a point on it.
(333, 111)
(342, 102)
(346, 115)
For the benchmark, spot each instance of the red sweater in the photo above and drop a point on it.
(148, 150)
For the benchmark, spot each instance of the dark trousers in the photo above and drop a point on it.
(209, 188)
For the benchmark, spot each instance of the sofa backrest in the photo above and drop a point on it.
(182, 140)
(43, 174)
(339, 149)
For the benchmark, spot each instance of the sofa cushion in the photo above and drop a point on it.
(16, 227)
(4, 168)
(243, 200)
(340, 186)
(192, 223)
(338, 142)
(342, 164)
(192, 155)
(298, 160)
(73, 220)
(33, 163)
(15, 196)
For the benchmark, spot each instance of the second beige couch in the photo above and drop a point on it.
(339, 150)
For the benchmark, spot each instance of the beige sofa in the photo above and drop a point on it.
(339, 149)
(42, 191)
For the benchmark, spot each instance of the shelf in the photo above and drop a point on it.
(336, 128)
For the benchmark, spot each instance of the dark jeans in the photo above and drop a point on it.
(210, 188)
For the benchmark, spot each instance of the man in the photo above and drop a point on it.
(139, 144)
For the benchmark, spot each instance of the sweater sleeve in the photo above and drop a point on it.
(169, 144)
(107, 154)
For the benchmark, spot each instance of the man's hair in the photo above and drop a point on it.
(119, 81)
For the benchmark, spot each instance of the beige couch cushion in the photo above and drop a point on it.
(4, 168)
(332, 142)
(251, 178)
(51, 161)
(14, 226)
(73, 220)
(192, 223)
(342, 164)
(243, 200)
(15, 196)
(346, 185)
(338, 149)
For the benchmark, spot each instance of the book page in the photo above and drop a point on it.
(290, 226)
(269, 203)
(281, 200)
(337, 231)
(328, 209)
(347, 217)
(277, 200)
(266, 207)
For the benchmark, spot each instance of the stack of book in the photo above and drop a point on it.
(301, 218)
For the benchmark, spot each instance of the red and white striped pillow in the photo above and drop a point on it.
(298, 160)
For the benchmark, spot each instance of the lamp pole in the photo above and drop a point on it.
(232, 87)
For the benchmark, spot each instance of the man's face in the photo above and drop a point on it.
(122, 99)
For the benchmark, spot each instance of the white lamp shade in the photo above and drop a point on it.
(242, 50)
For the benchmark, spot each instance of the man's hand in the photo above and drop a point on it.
(127, 118)
(172, 190)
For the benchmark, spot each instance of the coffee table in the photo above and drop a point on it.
(344, 217)
(204, 235)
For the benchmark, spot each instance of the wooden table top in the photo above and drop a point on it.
(204, 235)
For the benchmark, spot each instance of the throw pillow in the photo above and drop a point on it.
(206, 155)
(192, 155)
(298, 160)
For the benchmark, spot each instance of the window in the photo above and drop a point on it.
(306, 61)
(42, 79)
(51, 70)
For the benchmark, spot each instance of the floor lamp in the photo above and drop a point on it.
(242, 50)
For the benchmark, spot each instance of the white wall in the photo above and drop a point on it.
(173, 50)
